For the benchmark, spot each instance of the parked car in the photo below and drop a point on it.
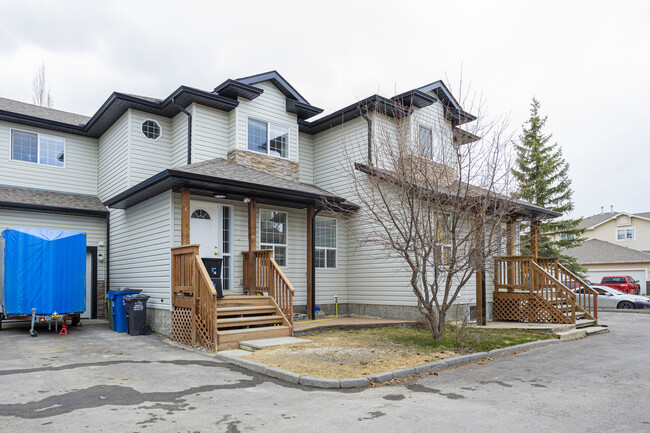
(612, 298)
(625, 284)
(588, 282)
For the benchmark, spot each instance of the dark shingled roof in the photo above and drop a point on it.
(36, 199)
(42, 112)
(225, 169)
(595, 251)
(594, 220)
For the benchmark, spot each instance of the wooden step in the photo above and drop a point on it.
(244, 300)
(237, 335)
(248, 321)
(245, 310)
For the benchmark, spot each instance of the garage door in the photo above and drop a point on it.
(637, 275)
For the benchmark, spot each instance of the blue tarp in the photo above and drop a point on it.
(44, 269)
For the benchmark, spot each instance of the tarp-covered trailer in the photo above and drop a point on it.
(42, 275)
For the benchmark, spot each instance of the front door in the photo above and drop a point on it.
(211, 227)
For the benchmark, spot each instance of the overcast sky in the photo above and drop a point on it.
(587, 62)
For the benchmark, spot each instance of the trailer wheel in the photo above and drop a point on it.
(33, 333)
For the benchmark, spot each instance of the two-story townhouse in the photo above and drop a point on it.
(618, 243)
(235, 170)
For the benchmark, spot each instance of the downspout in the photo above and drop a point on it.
(313, 263)
(369, 135)
(108, 255)
(189, 129)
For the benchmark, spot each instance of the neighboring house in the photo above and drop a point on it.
(608, 259)
(630, 230)
(254, 172)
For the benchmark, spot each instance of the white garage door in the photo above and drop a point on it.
(637, 275)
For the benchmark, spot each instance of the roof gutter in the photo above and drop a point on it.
(189, 129)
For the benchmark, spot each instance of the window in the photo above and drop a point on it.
(273, 234)
(37, 148)
(442, 255)
(425, 139)
(625, 234)
(226, 231)
(268, 138)
(200, 214)
(151, 129)
(325, 242)
(566, 236)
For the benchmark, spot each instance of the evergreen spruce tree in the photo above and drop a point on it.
(543, 179)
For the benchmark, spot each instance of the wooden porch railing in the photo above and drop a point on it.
(547, 278)
(194, 319)
(269, 278)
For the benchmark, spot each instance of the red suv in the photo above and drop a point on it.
(625, 284)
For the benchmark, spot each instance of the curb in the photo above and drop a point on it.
(387, 376)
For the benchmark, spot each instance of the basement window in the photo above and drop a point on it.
(151, 129)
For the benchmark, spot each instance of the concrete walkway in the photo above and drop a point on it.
(348, 322)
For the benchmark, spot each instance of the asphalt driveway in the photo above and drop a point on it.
(97, 380)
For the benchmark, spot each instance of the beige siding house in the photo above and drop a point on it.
(237, 168)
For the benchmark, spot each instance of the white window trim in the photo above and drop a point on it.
(259, 233)
(268, 137)
(38, 148)
(440, 155)
(625, 229)
(336, 245)
(157, 123)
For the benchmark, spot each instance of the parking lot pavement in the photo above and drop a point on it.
(97, 380)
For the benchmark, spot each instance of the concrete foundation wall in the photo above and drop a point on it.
(400, 312)
(160, 321)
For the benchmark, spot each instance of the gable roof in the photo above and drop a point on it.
(596, 220)
(595, 251)
(41, 200)
(278, 81)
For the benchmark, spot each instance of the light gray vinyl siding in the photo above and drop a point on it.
(148, 157)
(141, 238)
(95, 228)
(79, 175)
(210, 133)
(270, 106)
(306, 143)
(113, 159)
(179, 140)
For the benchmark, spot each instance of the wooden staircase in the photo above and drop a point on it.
(528, 289)
(243, 317)
(201, 319)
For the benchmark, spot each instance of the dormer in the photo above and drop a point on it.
(264, 125)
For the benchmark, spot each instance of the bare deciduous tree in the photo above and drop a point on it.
(40, 92)
(434, 196)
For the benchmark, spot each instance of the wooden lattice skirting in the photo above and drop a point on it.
(182, 325)
(525, 307)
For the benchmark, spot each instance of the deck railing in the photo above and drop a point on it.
(546, 277)
(194, 320)
(268, 277)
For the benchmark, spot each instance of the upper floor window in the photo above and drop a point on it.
(273, 234)
(38, 148)
(567, 236)
(625, 234)
(268, 138)
(325, 242)
(425, 141)
(151, 129)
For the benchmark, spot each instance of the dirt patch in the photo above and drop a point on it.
(343, 354)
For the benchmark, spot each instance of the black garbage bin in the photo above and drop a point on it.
(136, 314)
(213, 267)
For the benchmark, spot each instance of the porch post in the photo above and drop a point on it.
(310, 261)
(510, 249)
(185, 216)
(252, 245)
(534, 238)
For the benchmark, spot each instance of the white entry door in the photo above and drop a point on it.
(204, 228)
(211, 226)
